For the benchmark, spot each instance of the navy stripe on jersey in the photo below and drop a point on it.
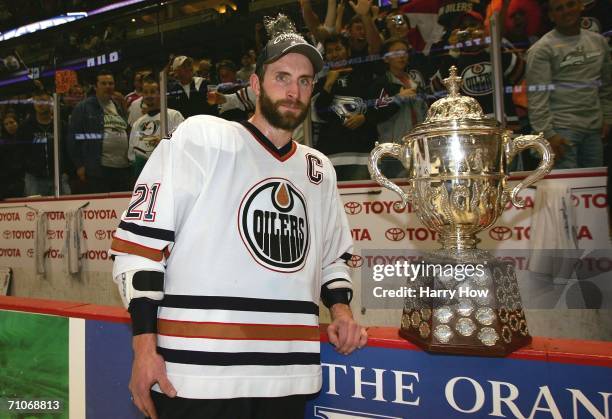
(239, 304)
(346, 256)
(239, 358)
(282, 153)
(151, 232)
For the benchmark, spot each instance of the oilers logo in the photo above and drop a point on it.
(477, 79)
(273, 225)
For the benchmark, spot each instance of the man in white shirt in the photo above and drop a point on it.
(188, 93)
(146, 130)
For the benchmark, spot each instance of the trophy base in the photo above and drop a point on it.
(468, 312)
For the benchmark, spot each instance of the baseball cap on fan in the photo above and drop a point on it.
(283, 40)
(179, 61)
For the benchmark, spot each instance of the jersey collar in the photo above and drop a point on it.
(281, 154)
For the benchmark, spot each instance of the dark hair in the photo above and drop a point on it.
(260, 70)
(386, 46)
(226, 64)
(334, 39)
(10, 114)
(149, 78)
(354, 20)
(103, 72)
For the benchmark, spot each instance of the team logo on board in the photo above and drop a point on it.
(273, 224)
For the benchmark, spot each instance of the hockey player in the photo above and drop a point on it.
(233, 234)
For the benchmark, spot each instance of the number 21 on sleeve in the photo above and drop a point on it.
(143, 203)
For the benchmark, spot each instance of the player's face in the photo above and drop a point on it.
(286, 90)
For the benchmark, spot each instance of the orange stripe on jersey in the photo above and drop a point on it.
(125, 246)
(237, 331)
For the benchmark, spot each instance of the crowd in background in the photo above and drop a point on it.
(385, 67)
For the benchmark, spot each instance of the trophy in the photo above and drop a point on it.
(457, 162)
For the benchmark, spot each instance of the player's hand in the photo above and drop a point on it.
(148, 368)
(354, 121)
(558, 145)
(344, 332)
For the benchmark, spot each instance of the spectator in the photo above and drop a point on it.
(10, 124)
(11, 159)
(398, 26)
(226, 72)
(36, 135)
(596, 17)
(204, 67)
(450, 13)
(146, 131)
(522, 21)
(470, 55)
(238, 106)
(569, 88)
(248, 67)
(98, 140)
(363, 35)
(319, 30)
(137, 92)
(73, 97)
(397, 107)
(348, 134)
(133, 100)
(186, 93)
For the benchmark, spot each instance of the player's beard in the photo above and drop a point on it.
(286, 121)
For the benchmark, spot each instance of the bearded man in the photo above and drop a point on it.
(233, 234)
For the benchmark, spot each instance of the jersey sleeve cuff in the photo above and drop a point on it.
(144, 316)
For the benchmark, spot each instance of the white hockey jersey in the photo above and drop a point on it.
(146, 133)
(246, 234)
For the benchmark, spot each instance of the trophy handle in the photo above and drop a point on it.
(548, 158)
(391, 150)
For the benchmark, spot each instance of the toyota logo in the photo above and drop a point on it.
(500, 233)
(352, 208)
(100, 234)
(395, 234)
(6, 234)
(51, 234)
(30, 215)
(30, 253)
(575, 201)
(355, 261)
